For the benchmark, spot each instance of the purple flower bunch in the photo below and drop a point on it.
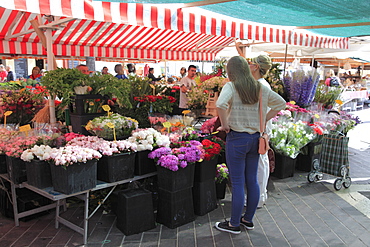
(301, 86)
(173, 158)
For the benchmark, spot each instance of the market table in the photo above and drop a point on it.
(60, 201)
(350, 99)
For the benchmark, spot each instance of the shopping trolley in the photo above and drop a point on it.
(333, 160)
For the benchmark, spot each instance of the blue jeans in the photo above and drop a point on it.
(242, 160)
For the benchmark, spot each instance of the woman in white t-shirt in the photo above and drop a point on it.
(259, 67)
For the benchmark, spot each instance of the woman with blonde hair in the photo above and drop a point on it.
(259, 67)
(238, 110)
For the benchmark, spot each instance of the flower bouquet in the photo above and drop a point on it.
(212, 149)
(148, 139)
(222, 173)
(24, 104)
(208, 126)
(102, 126)
(214, 83)
(301, 86)
(197, 98)
(180, 156)
(287, 137)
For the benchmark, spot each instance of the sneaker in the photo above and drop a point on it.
(225, 227)
(247, 225)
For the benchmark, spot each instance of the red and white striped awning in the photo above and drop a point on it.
(134, 31)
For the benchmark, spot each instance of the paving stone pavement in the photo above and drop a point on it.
(296, 213)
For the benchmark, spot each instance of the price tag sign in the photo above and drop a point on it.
(25, 128)
(339, 102)
(185, 112)
(111, 125)
(106, 107)
(8, 113)
(167, 125)
(317, 116)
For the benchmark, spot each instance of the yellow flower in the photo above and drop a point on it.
(292, 102)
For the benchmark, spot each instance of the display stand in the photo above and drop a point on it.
(83, 195)
(13, 199)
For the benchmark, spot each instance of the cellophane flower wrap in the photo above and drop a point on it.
(222, 173)
(148, 139)
(183, 154)
(69, 155)
(106, 148)
(207, 126)
(288, 137)
(212, 149)
(123, 126)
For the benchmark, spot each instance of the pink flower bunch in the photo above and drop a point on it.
(70, 136)
(107, 148)
(175, 137)
(155, 120)
(294, 108)
(208, 125)
(5, 136)
(15, 146)
(69, 155)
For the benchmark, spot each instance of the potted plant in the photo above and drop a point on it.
(118, 157)
(206, 169)
(102, 126)
(37, 168)
(146, 140)
(73, 168)
(222, 176)
(175, 165)
(14, 148)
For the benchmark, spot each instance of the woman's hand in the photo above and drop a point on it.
(224, 128)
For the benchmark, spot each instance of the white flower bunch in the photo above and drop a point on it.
(147, 139)
(41, 152)
(288, 138)
(69, 155)
(124, 146)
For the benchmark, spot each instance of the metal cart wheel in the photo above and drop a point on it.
(316, 164)
(311, 177)
(343, 171)
(347, 182)
(319, 176)
(338, 183)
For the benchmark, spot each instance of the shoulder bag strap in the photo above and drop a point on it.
(260, 110)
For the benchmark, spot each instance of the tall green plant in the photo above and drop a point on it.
(61, 83)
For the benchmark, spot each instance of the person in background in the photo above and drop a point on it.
(36, 75)
(83, 68)
(152, 77)
(186, 84)
(332, 80)
(182, 74)
(11, 74)
(3, 73)
(120, 73)
(259, 66)
(238, 110)
(131, 69)
(105, 71)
